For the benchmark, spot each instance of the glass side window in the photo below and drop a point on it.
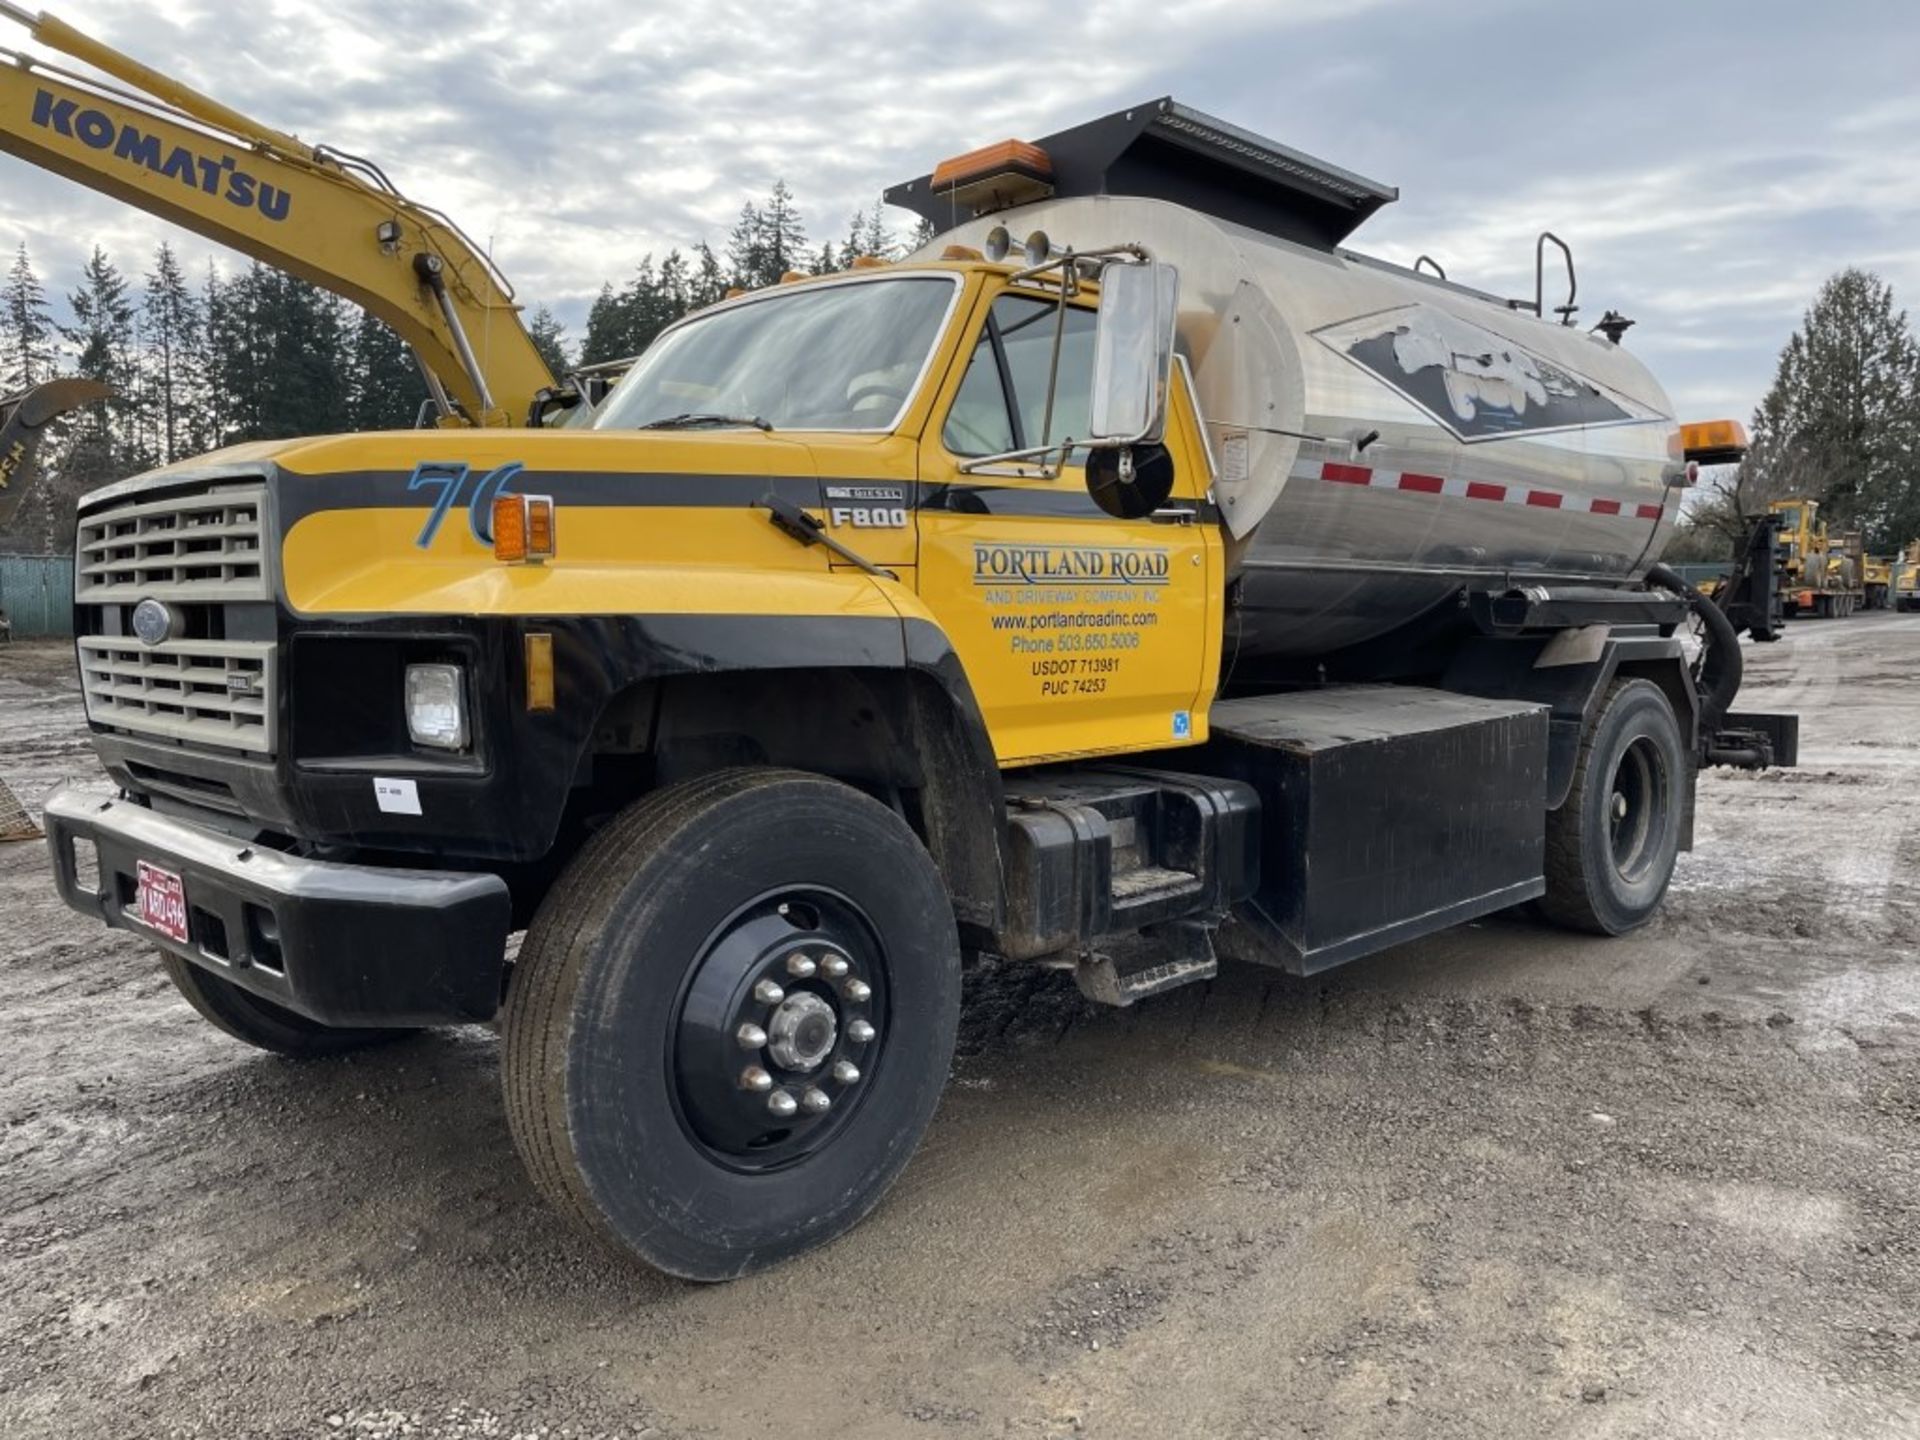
(1002, 404)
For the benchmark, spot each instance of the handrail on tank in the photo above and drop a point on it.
(1432, 263)
(1538, 305)
(1566, 311)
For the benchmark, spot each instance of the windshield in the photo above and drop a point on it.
(835, 357)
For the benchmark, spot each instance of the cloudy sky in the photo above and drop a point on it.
(1709, 160)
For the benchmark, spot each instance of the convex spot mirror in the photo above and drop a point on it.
(1133, 353)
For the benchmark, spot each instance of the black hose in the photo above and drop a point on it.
(1722, 666)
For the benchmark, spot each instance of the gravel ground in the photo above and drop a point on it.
(1504, 1182)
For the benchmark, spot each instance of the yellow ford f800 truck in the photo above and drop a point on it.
(1134, 576)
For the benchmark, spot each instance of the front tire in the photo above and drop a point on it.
(263, 1024)
(1611, 847)
(732, 1020)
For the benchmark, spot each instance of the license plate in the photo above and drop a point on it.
(163, 901)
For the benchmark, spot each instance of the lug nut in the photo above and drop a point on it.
(768, 992)
(833, 967)
(816, 1102)
(755, 1079)
(782, 1104)
(846, 1072)
(799, 966)
(860, 1032)
(750, 1036)
(857, 991)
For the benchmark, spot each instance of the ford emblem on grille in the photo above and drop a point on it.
(153, 622)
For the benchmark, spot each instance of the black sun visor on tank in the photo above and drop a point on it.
(1163, 150)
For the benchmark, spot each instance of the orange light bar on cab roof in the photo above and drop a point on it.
(992, 159)
(1713, 442)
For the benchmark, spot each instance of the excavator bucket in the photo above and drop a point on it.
(23, 424)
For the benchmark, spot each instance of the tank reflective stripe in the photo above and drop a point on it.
(1342, 474)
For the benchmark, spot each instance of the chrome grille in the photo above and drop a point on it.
(204, 546)
(206, 692)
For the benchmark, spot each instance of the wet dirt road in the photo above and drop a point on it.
(1506, 1182)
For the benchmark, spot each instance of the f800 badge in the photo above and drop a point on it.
(867, 507)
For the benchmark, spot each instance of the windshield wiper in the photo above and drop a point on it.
(694, 419)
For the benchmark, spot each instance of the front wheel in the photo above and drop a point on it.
(1611, 847)
(261, 1023)
(732, 1019)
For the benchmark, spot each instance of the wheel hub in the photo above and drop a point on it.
(780, 1029)
(1636, 819)
(802, 1032)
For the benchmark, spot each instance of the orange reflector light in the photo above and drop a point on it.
(1713, 442)
(871, 262)
(539, 671)
(995, 177)
(1014, 155)
(523, 528)
(539, 527)
(510, 528)
(961, 252)
(734, 292)
(789, 276)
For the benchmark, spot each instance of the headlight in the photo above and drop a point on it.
(437, 706)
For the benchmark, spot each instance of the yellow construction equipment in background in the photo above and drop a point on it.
(1906, 578)
(316, 212)
(1824, 575)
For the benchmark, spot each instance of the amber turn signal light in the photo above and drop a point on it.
(523, 528)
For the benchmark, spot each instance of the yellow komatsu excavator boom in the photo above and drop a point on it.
(313, 211)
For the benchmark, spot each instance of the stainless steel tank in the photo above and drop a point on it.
(1505, 450)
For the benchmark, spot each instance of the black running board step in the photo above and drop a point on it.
(1158, 959)
(1098, 851)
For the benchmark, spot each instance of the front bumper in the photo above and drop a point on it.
(339, 944)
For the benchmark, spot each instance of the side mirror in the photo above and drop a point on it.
(1133, 353)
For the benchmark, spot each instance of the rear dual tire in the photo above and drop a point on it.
(644, 1047)
(1612, 846)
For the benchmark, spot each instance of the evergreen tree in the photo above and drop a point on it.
(549, 337)
(27, 358)
(384, 388)
(746, 249)
(280, 355)
(707, 282)
(172, 361)
(924, 234)
(26, 328)
(767, 241)
(785, 238)
(216, 317)
(867, 234)
(876, 239)
(105, 441)
(855, 245)
(674, 295)
(601, 319)
(1841, 422)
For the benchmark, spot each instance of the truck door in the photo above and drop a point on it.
(1081, 633)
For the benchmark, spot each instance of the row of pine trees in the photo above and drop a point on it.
(200, 361)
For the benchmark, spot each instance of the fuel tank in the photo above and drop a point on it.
(1384, 439)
